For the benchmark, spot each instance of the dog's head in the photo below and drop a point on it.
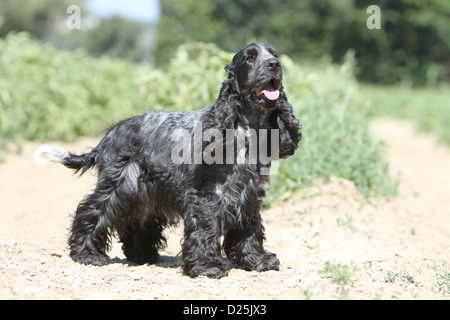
(254, 92)
(258, 74)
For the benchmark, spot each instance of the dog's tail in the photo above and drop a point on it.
(82, 162)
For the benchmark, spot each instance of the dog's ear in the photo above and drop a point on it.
(289, 126)
(230, 68)
(228, 104)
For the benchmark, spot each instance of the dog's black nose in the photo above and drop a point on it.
(273, 64)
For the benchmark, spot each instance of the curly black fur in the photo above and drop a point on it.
(140, 190)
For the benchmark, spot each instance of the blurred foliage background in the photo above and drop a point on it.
(59, 84)
(412, 45)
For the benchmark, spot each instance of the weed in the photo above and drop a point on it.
(346, 222)
(341, 273)
(443, 282)
(305, 293)
(392, 276)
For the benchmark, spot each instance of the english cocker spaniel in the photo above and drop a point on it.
(207, 167)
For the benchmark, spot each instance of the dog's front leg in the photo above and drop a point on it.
(244, 246)
(201, 250)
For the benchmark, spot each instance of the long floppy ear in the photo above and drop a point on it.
(230, 69)
(289, 126)
(228, 104)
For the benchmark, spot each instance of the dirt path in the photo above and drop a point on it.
(395, 249)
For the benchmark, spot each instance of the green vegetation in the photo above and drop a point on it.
(347, 222)
(36, 17)
(335, 126)
(443, 282)
(428, 108)
(341, 273)
(412, 45)
(190, 81)
(47, 94)
(115, 36)
(392, 276)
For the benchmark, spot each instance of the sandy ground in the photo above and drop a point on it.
(389, 248)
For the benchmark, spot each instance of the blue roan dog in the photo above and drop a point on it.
(141, 188)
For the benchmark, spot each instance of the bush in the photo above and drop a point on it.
(190, 81)
(50, 94)
(58, 95)
(336, 141)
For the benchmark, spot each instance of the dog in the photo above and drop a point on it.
(143, 186)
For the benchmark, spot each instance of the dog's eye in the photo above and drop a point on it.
(250, 58)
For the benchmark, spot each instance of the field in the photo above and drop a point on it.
(360, 212)
(333, 243)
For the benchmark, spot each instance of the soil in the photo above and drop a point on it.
(381, 248)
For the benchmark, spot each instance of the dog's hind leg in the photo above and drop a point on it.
(90, 234)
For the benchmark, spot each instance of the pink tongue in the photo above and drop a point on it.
(271, 95)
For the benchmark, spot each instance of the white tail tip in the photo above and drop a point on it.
(49, 153)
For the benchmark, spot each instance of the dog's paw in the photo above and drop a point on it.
(261, 262)
(268, 261)
(87, 258)
(215, 271)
